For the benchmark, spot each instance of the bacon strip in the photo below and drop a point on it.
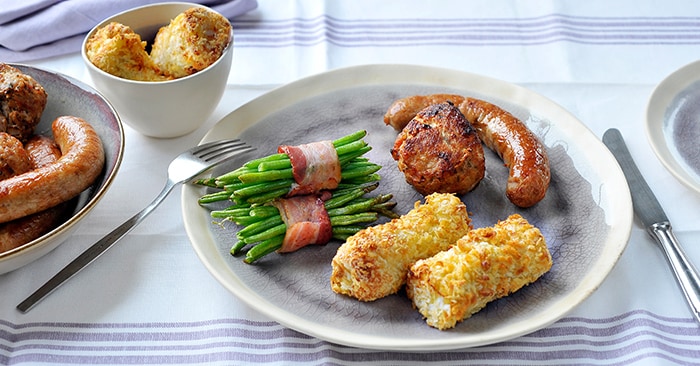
(315, 167)
(307, 222)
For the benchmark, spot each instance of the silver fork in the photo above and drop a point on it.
(184, 167)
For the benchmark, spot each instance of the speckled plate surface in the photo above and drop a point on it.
(586, 216)
(68, 96)
(673, 124)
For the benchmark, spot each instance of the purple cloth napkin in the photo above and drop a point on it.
(34, 29)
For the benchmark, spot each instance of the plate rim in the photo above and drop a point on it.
(657, 103)
(381, 74)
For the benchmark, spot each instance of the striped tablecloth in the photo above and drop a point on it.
(149, 300)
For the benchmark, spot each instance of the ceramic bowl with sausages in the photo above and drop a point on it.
(161, 82)
(72, 103)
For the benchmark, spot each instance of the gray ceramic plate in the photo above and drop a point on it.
(673, 124)
(586, 216)
(68, 96)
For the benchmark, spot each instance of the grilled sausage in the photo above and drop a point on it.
(14, 159)
(81, 162)
(520, 149)
(42, 152)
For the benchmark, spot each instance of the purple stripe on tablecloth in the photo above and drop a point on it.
(618, 340)
(443, 25)
(252, 32)
(468, 32)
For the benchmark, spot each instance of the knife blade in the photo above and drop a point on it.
(654, 219)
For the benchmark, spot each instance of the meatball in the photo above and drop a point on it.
(22, 101)
(439, 151)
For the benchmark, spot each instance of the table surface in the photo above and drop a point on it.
(149, 300)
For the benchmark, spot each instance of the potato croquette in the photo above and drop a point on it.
(117, 50)
(191, 42)
(374, 262)
(486, 264)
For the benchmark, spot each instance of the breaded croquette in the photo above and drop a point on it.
(487, 264)
(192, 41)
(374, 262)
(117, 50)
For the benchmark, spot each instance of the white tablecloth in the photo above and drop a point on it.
(149, 300)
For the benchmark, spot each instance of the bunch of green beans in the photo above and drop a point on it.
(264, 179)
(264, 229)
(258, 182)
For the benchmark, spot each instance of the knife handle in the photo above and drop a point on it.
(685, 272)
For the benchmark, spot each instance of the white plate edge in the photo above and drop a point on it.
(659, 99)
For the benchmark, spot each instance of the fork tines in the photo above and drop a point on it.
(222, 148)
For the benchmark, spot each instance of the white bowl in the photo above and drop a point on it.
(67, 96)
(162, 109)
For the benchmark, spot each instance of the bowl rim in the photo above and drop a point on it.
(93, 68)
(44, 240)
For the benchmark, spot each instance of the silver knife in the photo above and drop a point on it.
(653, 217)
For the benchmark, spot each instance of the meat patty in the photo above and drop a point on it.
(439, 151)
(22, 101)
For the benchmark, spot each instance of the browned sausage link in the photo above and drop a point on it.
(520, 149)
(14, 159)
(403, 110)
(80, 164)
(42, 151)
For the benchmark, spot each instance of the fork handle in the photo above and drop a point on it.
(90, 254)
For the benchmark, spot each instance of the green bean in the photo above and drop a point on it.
(360, 180)
(214, 197)
(209, 182)
(350, 148)
(232, 176)
(253, 164)
(347, 230)
(359, 171)
(259, 226)
(245, 220)
(230, 213)
(341, 198)
(360, 206)
(264, 211)
(266, 176)
(275, 165)
(280, 229)
(237, 247)
(349, 138)
(264, 187)
(267, 197)
(358, 218)
(343, 159)
(264, 248)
